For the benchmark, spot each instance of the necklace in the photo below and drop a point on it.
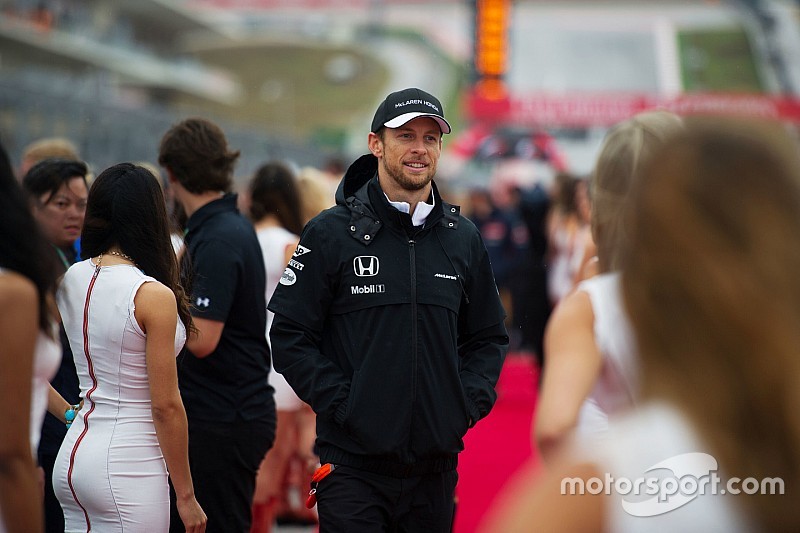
(62, 256)
(122, 255)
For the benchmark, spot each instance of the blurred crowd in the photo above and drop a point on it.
(598, 275)
(540, 243)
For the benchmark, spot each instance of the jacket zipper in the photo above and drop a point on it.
(414, 333)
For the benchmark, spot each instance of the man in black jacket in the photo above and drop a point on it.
(388, 323)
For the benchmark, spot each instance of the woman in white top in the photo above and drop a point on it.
(126, 316)
(276, 212)
(29, 353)
(710, 278)
(589, 368)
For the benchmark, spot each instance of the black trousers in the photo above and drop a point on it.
(224, 459)
(354, 501)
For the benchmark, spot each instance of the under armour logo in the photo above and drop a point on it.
(203, 301)
(366, 265)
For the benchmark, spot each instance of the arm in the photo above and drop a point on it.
(301, 309)
(289, 251)
(534, 501)
(482, 335)
(482, 354)
(572, 365)
(20, 499)
(216, 274)
(157, 314)
(204, 341)
(317, 380)
(57, 405)
(587, 256)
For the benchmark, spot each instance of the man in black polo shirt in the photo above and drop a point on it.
(223, 371)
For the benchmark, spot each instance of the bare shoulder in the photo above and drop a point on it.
(16, 289)
(573, 309)
(155, 297)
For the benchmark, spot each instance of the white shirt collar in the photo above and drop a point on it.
(421, 212)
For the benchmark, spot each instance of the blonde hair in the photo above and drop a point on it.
(711, 279)
(48, 148)
(625, 148)
(316, 193)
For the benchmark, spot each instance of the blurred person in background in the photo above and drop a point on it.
(275, 209)
(590, 366)
(29, 352)
(316, 193)
(586, 249)
(505, 239)
(47, 148)
(532, 302)
(175, 212)
(563, 243)
(709, 276)
(57, 193)
(224, 371)
(127, 315)
(389, 325)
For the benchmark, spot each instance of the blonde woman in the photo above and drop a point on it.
(589, 366)
(710, 280)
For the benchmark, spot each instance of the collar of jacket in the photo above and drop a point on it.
(361, 193)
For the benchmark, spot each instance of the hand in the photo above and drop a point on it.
(310, 462)
(192, 515)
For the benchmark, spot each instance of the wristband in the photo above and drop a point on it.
(69, 414)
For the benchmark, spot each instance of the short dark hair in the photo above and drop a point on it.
(49, 175)
(126, 208)
(196, 152)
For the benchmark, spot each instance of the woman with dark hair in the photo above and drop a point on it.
(57, 192)
(276, 212)
(29, 353)
(126, 316)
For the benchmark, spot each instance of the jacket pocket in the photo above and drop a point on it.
(377, 418)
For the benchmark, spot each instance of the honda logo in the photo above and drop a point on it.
(366, 265)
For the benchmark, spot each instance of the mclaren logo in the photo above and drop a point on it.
(366, 265)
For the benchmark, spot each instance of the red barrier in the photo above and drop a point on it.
(582, 110)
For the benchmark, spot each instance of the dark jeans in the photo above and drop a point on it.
(354, 501)
(224, 459)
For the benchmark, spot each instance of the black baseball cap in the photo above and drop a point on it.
(408, 104)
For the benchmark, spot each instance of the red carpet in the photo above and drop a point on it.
(499, 444)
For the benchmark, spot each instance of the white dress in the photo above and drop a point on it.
(273, 241)
(46, 359)
(616, 388)
(657, 434)
(110, 474)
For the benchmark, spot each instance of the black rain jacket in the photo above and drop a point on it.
(393, 334)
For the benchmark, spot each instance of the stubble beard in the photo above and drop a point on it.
(395, 172)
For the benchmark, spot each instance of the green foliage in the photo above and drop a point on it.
(293, 90)
(718, 61)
